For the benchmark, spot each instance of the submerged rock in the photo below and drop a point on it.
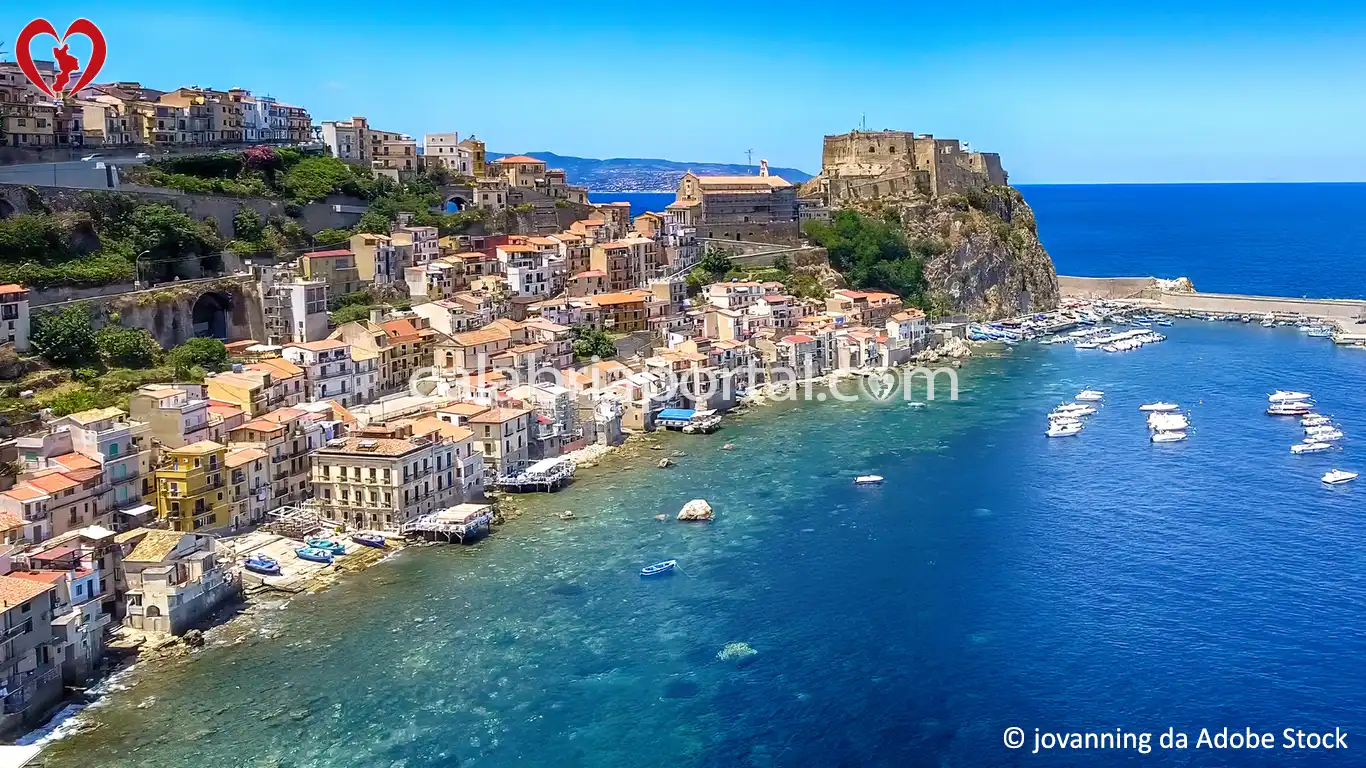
(697, 509)
(665, 463)
(661, 518)
(728, 447)
(738, 653)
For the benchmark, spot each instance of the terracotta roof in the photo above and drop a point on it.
(261, 425)
(11, 288)
(591, 273)
(9, 522)
(224, 410)
(798, 339)
(53, 482)
(319, 346)
(519, 159)
(481, 336)
(499, 415)
(401, 330)
(328, 254)
(201, 447)
(73, 461)
(277, 367)
(615, 298)
(284, 415)
(465, 409)
(239, 456)
(15, 591)
(429, 424)
(26, 492)
(517, 248)
(155, 546)
(751, 181)
(374, 446)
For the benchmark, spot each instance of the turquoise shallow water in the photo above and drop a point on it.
(998, 578)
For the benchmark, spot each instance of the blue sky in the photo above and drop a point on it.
(1066, 92)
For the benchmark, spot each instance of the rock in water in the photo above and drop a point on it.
(665, 463)
(738, 653)
(697, 509)
(194, 639)
(661, 518)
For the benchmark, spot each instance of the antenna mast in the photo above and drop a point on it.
(749, 157)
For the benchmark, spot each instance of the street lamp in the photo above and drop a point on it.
(137, 265)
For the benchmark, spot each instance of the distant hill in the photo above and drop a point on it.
(631, 174)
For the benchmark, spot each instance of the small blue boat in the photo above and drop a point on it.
(333, 547)
(369, 540)
(658, 568)
(266, 566)
(314, 554)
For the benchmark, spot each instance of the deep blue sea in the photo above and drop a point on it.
(1271, 239)
(997, 579)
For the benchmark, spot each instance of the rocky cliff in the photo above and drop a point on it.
(987, 260)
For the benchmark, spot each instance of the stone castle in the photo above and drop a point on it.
(862, 165)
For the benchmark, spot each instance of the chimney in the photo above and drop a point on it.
(763, 167)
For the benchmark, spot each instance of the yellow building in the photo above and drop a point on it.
(192, 493)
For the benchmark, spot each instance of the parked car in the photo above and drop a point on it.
(143, 156)
(88, 158)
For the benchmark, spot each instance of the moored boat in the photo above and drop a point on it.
(262, 564)
(1064, 429)
(1159, 407)
(314, 554)
(369, 540)
(328, 545)
(1338, 476)
(1309, 446)
(868, 480)
(658, 568)
(1168, 436)
(1090, 396)
(1285, 396)
(1289, 409)
(1315, 420)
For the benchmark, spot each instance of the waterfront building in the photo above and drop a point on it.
(81, 565)
(907, 329)
(32, 678)
(14, 316)
(190, 487)
(381, 477)
(503, 436)
(867, 308)
(249, 480)
(327, 367)
(173, 578)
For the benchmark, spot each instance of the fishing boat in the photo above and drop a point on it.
(328, 545)
(369, 540)
(868, 480)
(1310, 447)
(314, 554)
(262, 564)
(1339, 476)
(658, 568)
(1159, 407)
(1284, 396)
(1168, 436)
(1090, 396)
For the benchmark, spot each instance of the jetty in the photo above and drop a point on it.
(1151, 292)
(545, 475)
(461, 523)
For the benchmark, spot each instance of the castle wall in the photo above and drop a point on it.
(881, 147)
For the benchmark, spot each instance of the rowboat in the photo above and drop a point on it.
(328, 545)
(658, 568)
(262, 564)
(314, 554)
(369, 540)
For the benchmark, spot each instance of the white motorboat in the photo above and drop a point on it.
(1168, 436)
(1311, 447)
(1289, 409)
(1168, 422)
(1284, 396)
(868, 480)
(1322, 434)
(1338, 476)
(1090, 396)
(1159, 407)
(1073, 410)
(915, 405)
(1315, 420)
(1064, 429)
(1086, 345)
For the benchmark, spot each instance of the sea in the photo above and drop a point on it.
(996, 580)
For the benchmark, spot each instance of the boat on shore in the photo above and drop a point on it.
(1339, 476)
(369, 540)
(313, 554)
(658, 568)
(332, 547)
(262, 564)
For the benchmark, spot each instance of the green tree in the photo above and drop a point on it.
(76, 400)
(349, 313)
(207, 354)
(247, 225)
(65, 337)
(782, 263)
(716, 262)
(332, 237)
(875, 252)
(127, 347)
(591, 342)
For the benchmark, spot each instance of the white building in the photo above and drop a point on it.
(328, 373)
(295, 309)
(444, 150)
(528, 274)
(425, 244)
(14, 316)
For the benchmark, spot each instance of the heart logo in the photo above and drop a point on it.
(67, 64)
(880, 386)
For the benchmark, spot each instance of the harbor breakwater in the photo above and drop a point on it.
(1152, 289)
